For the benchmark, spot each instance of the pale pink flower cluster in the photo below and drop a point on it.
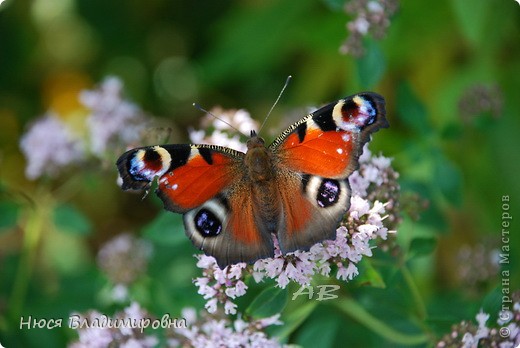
(113, 120)
(129, 328)
(224, 133)
(506, 335)
(220, 285)
(370, 17)
(297, 266)
(477, 264)
(135, 327)
(96, 330)
(51, 144)
(369, 172)
(211, 332)
(123, 259)
(479, 100)
(354, 240)
(469, 340)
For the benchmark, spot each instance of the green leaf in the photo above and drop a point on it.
(66, 253)
(432, 215)
(411, 109)
(452, 132)
(269, 302)
(493, 301)
(8, 215)
(422, 246)
(293, 317)
(320, 330)
(448, 179)
(334, 5)
(371, 66)
(472, 16)
(70, 220)
(380, 327)
(368, 275)
(166, 229)
(247, 46)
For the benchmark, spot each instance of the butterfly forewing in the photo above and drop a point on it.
(329, 141)
(188, 175)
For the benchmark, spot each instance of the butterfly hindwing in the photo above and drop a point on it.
(312, 208)
(225, 227)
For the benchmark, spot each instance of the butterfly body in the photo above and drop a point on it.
(296, 188)
(258, 160)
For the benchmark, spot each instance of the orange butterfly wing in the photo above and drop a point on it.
(188, 175)
(318, 153)
(329, 141)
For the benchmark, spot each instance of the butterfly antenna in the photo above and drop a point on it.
(218, 118)
(276, 102)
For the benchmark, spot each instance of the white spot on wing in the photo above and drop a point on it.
(337, 115)
(350, 127)
(166, 159)
(311, 125)
(362, 104)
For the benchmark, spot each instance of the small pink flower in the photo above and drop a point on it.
(347, 273)
(358, 207)
(211, 305)
(273, 320)
(381, 162)
(206, 261)
(230, 308)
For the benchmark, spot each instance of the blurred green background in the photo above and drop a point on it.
(449, 70)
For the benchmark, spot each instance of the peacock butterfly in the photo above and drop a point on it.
(296, 188)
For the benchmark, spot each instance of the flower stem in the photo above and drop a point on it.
(32, 233)
(358, 313)
(419, 303)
